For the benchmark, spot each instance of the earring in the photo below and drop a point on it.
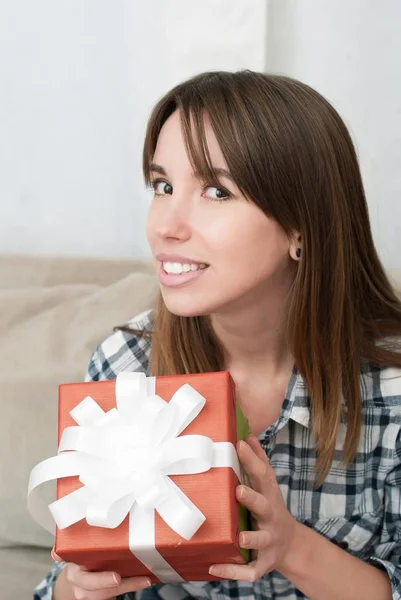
(298, 252)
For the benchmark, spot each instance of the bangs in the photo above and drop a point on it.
(193, 130)
(194, 109)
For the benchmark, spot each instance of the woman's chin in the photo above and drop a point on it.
(185, 308)
(184, 311)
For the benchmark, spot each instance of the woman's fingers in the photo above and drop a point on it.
(255, 502)
(130, 584)
(133, 584)
(101, 585)
(259, 471)
(254, 443)
(55, 556)
(255, 540)
(91, 581)
(250, 572)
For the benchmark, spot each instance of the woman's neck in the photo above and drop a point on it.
(255, 339)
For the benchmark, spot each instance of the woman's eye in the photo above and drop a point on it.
(216, 193)
(161, 188)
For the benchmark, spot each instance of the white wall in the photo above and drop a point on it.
(350, 51)
(78, 79)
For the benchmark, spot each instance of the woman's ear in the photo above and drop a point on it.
(295, 249)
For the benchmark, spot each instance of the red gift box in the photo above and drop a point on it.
(212, 492)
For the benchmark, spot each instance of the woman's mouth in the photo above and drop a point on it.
(176, 268)
(173, 274)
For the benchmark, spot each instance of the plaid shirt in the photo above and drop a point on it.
(358, 508)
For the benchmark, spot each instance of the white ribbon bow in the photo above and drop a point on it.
(123, 458)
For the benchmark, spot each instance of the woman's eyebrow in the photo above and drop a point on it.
(224, 173)
(218, 171)
(158, 169)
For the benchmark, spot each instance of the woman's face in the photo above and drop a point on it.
(214, 250)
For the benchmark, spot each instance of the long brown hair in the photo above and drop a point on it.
(290, 153)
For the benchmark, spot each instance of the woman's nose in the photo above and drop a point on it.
(173, 222)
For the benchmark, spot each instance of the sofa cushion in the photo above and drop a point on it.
(23, 271)
(21, 570)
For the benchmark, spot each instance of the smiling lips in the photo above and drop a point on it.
(177, 270)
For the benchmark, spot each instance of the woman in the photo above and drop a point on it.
(260, 233)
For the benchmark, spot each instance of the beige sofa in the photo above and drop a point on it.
(53, 313)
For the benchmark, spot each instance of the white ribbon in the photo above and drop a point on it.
(123, 458)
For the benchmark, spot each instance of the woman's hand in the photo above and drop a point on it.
(76, 583)
(275, 527)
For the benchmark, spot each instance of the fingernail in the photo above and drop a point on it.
(214, 571)
(116, 578)
(243, 492)
(144, 583)
(244, 539)
(54, 556)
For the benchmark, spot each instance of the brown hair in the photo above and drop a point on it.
(290, 153)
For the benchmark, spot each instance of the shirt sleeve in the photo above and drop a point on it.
(44, 591)
(387, 554)
(96, 367)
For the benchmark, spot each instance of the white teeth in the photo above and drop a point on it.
(177, 268)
